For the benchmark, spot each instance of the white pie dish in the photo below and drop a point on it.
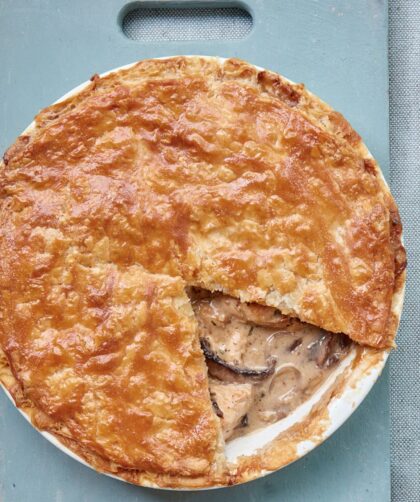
(336, 406)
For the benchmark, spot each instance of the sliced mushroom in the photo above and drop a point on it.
(328, 349)
(338, 349)
(216, 408)
(227, 337)
(295, 344)
(226, 375)
(239, 370)
(260, 315)
(319, 350)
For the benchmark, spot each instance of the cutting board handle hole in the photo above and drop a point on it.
(164, 22)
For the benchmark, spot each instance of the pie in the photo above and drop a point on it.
(189, 246)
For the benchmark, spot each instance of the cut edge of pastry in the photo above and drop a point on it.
(287, 447)
(216, 474)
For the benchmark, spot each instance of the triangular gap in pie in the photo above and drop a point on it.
(185, 171)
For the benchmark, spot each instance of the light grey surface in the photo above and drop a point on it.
(339, 49)
(404, 59)
(163, 24)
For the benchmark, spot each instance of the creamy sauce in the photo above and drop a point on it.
(262, 365)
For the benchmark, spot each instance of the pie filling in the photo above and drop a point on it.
(262, 364)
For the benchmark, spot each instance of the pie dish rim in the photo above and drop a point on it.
(350, 398)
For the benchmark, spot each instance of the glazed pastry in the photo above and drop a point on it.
(175, 174)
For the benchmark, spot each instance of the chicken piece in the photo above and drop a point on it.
(222, 335)
(233, 400)
(225, 335)
(219, 309)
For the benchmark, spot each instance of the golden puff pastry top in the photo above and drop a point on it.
(185, 171)
(111, 357)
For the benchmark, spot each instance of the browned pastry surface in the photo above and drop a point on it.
(113, 356)
(174, 172)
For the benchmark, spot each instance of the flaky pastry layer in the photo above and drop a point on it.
(185, 171)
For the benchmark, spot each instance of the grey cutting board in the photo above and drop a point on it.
(339, 49)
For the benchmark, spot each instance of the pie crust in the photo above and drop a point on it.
(186, 171)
